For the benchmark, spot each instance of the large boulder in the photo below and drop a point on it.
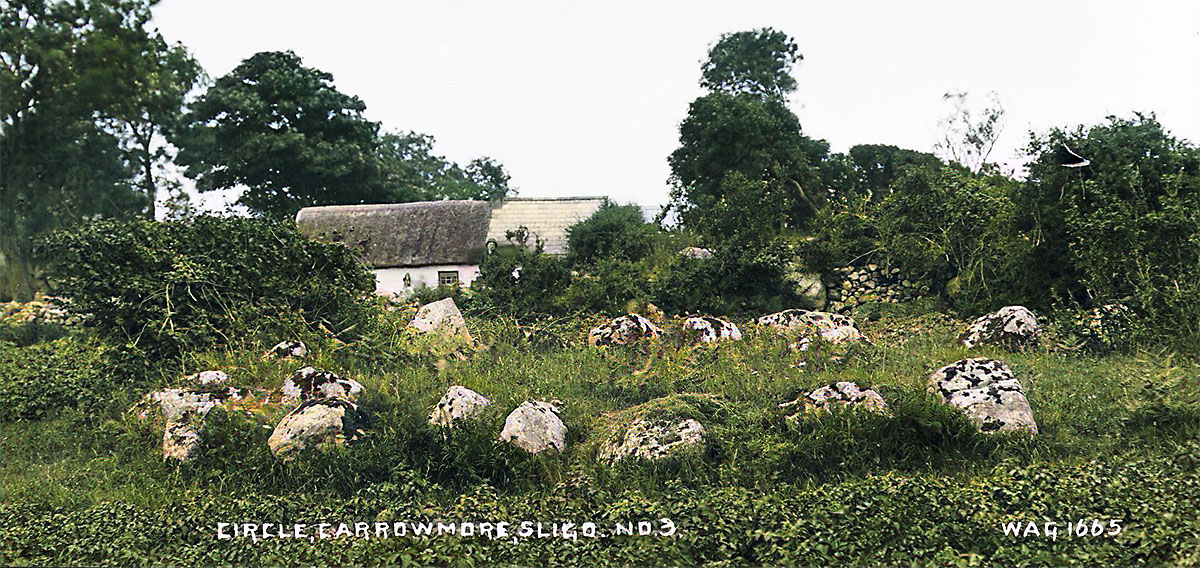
(318, 422)
(664, 427)
(629, 328)
(653, 440)
(987, 392)
(710, 329)
(834, 328)
(309, 382)
(442, 317)
(535, 427)
(842, 394)
(1011, 327)
(459, 403)
(287, 350)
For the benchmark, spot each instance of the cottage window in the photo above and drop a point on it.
(447, 278)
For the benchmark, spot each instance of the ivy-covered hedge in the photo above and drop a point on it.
(168, 288)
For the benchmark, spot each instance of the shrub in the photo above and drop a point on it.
(612, 232)
(167, 288)
(608, 287)
(523, 282)
(1125, 226)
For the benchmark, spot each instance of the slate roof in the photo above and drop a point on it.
(546, 218)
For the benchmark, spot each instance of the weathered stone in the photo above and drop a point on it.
(844, 394)
(872, 267)
(1011, 327)
(459, 403)
(987, 392)
(535, 427)
(286, 349)
(629, 328)
(834, 328)
(207, 378)
(808, 287)
(710, 329)
(308, 382)
(653, 440)
(317, 422)
(443, 317)
(185, 412)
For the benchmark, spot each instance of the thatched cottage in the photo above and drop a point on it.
(413, 245)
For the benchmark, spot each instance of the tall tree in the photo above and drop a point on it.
(744, 127)
(969, 135)
(286, 133)
(72, 74)
(292, 139)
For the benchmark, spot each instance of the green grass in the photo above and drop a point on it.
(918, 486)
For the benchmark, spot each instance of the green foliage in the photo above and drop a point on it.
(612, 232)
(167, 288)
(608, 287)
(1125, 226)
(40, 381)
(739, 278)
(294, 140)
(525, 283)
(944, 224)
(757, 63)
(88, 91)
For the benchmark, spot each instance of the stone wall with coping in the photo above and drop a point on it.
(850, 286)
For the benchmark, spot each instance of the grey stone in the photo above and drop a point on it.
(442, 317)
(535, 427)
(459, 403)
(987, 392)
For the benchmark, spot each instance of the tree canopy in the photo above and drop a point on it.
(88, 94)
(292, 139)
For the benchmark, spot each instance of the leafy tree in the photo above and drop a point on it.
(876, 168)
(757, 62)
(88, 93)
(413, 173)
(613, 231)
(284, 132)
(744, 126)
(287, 134)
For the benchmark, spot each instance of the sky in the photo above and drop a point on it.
(585, 98)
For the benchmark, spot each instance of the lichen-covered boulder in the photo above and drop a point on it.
(629, 328)
(834, 328)
(287, 350)
(459, 403)
(317, 422)
(535, 427)
(665, 427)
(186, 412)
(710, 329)
(1011, 327)
(654, 440)
(987, 392)
(309, 382)
(841, 394)
(442, 317)
(696, 253)
(207, 378)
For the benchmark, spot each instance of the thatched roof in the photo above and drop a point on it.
(405, 234)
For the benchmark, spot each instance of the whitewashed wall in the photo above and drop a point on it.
(390, 281)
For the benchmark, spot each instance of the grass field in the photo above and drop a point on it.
(918, 486)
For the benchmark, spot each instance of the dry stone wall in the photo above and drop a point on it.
(850, 286)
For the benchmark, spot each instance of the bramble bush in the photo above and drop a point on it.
(164, 289)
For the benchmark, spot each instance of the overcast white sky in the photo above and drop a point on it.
(585, 98)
